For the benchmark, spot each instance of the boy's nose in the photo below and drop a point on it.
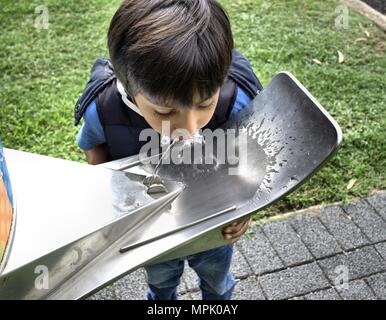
(189, 122)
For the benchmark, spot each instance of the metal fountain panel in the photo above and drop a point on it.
(66, 209)
(68, 213)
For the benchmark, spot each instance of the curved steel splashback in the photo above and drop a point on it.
(289, 136)
(118, 227)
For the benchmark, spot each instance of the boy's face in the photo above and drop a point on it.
(189, 119)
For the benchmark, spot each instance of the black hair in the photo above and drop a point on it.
(171, 50)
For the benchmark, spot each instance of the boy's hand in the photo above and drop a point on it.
(236, 230)
(97, 155)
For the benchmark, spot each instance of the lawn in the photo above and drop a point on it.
(43, 71)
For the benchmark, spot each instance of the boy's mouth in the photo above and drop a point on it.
(196, 137)
(177, 138)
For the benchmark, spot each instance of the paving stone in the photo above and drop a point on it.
(314, 235)
(298, 298)
(181, 289)
(190, 279)
(293, 281)
(184, 296)
(196, 295)
(259, 253)
(248, 289)
(381, 248)
(328, 294)
(104, 294)
(240, 267)
(342, 228)
(357, 290)
(378, 201)
(360, 263)
(378, 283)
(367, 219)
(130, 287)
(287, 243)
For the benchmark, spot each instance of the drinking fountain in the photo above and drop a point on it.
(78, 228)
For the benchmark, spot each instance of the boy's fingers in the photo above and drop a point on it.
(240, 232)
(237, 234)
(233, 241)
(232, 229)
(237, 227)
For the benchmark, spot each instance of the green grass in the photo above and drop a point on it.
(44, 71)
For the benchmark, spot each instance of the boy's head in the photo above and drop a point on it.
(172, 57)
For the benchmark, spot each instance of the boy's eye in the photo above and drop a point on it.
(207, 106)
(172, 111)
(164, 114)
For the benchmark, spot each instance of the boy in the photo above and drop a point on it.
(170, 61)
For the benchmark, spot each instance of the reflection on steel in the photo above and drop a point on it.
(87, 226)
(143, 242)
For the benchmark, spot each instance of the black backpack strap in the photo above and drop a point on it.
(121, 125)
(242, 73)
(113, 111)
(227, 97)
(102, 73)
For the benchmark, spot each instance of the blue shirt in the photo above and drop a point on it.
(91, 133)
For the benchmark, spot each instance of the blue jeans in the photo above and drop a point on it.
(212, 268)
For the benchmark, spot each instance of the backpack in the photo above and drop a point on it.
(122, 125)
